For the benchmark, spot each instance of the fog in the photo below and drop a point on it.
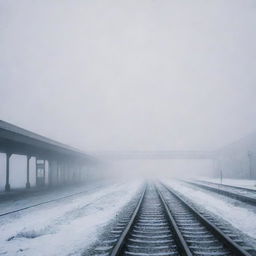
(130, 75)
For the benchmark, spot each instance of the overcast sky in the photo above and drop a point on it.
(125, 75)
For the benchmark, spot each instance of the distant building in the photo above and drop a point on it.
(238, 159)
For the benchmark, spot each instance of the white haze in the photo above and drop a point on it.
(130, 75)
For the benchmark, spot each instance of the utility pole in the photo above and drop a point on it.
(220, 175)
(218, 162)
(250, 155)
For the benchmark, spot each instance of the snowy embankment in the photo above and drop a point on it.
(65, 227)
(241, 218)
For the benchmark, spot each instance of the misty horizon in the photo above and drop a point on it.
(129, 76)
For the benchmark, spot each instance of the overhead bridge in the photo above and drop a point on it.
(65, 163)
(169, 154)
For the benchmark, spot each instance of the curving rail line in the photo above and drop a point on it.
(232, 192)
(238, 188)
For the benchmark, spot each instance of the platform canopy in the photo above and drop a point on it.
(16, 140)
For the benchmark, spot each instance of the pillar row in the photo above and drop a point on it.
(7, 182)
(28, 181)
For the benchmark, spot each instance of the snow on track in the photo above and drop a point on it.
(63, 228)
(242, 218)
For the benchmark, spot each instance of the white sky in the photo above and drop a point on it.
(124, 75)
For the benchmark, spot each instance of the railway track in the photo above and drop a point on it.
(244, 195)
(242, 189)
(163, 224)
(203, 234)
(42, 203)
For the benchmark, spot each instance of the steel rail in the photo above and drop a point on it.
(117, 249)
(178, 237)
(239, 197)
(182, 245)
(230, 244)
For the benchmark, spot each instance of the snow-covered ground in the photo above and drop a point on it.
(22, 200)
(242, 218)
(234, 182)
(65, 227)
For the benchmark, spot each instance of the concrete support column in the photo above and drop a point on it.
(50, 172)
(58, 173)
(80, 173)
(44, 182)
(28, 182)
(7, 183)
(82, 177)
(77, 174)
(70, 172)
(62, 173)
(73, 175)
(40, 172)
(84, 173)
(67, 172)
